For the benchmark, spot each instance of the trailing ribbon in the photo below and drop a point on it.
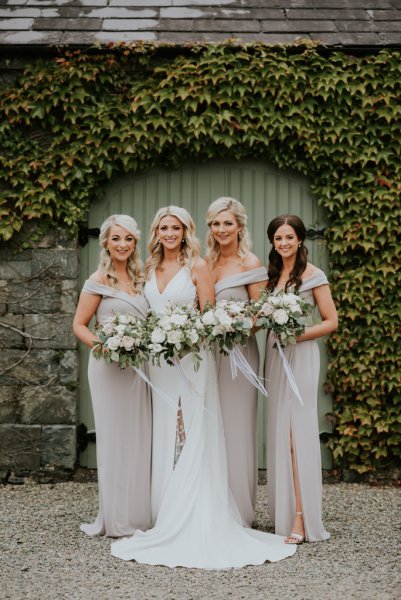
(289, 373)
(238, 361)
(158, 391)
(193, 394)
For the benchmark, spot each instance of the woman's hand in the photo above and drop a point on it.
(328, 313)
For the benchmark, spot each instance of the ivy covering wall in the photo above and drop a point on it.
(70, 123)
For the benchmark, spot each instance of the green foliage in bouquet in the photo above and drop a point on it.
(71, 123)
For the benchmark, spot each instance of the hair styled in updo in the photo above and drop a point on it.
(238, 210)
(275, 260)
(190, 247)
(134, 263)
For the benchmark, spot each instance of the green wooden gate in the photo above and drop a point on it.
(266, 193)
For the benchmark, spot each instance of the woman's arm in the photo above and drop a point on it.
(328, 313)
(86, 308)
(254, 289)
(202, 279)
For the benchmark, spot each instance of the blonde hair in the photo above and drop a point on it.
(134, 263)
(244, 238)
(190, 248)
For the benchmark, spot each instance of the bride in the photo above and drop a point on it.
(196, 521)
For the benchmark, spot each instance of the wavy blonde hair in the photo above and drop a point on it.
(134, 263)
(239, 212)
(190, 248)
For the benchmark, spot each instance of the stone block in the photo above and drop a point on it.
(47, 405)
(42, 294)
(15, 269)
(298, 26)
(129, 24)
(55, 262)
(59, 446)
(60, 24)
(347, 39)
(388, 26)
(57, 237)
(10, 326)
(69, 296)
(39, 367)
(336, 14)
(20, 446)
(229, 25)
(119, 12)
(16, 24)
(9, 396)
(125, 36)
(50, 332)
(113, 3)
(363, 26)
(69, 368)
(387, 15)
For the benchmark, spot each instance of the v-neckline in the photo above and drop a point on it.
(167, 284)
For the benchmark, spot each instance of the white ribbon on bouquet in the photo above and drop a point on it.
(288, 370)
(238, 361)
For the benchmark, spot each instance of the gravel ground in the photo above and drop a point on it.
(45, 556)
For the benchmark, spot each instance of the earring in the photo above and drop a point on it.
(299, 245)
(183, 241)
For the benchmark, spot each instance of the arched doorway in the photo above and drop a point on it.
(265, 191)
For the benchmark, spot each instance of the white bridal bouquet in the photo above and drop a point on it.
(175, 332)
(122, 340)
(284, 313)
(229, 323)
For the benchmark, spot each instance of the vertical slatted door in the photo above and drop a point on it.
(265, 192)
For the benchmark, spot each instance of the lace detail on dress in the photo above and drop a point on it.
(180, 436)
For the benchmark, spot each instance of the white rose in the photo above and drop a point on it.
(128, 342)
(158, 336)
(174, 337)
(247, 323)
(275, 301)
(155, 348)
(120, 329)
(223, 318)
(208, 318)
(266, 309)
(179, 319)
(280, 316)
(194, 337)
(123, 319)
(295, 308)
(113, 343)
(236, 309)
(108, 328)
(165, 323)
(198, 324)
(217, 330)
(291, 298)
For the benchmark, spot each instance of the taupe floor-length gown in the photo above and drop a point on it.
(284, 415)
(123, 421)
(239, 405)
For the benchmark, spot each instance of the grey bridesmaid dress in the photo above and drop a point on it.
(123, 419)
(239, 405)
(284, 415)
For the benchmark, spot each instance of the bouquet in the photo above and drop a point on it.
(122, 340)
(175, 332)
(285, 314)
(228, 323)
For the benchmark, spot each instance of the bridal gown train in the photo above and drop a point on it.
(123, 418)
(239, 404)
(285, 415)
(197, 523)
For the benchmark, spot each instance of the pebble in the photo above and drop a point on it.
(46, 557)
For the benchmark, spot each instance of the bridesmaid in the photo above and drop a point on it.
(237, 275)
(294, 476)
(121, 402)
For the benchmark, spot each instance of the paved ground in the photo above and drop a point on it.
(45, 557)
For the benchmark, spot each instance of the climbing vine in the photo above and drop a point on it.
(71, 123)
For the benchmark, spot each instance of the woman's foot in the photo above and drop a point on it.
(297, 535)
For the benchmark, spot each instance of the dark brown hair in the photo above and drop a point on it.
(275, 260)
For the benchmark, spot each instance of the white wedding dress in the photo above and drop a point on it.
(197, 524)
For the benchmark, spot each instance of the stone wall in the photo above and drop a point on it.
(38, 355)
